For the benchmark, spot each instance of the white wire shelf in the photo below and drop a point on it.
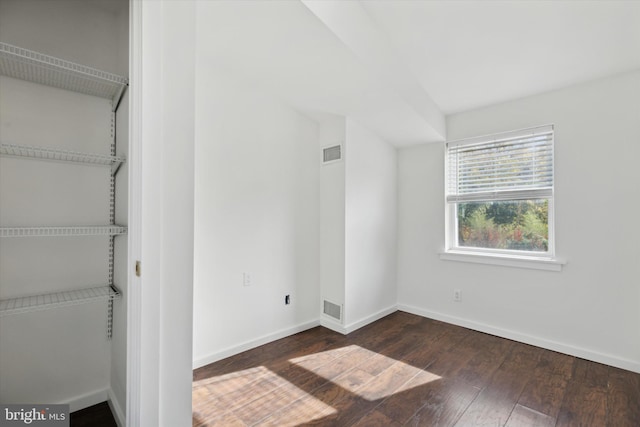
(57, 299)
(36, 67)
(93, 230)
(32, 152)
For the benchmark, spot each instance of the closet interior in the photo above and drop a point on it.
(63, 202)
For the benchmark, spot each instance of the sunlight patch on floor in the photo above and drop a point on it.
(252, 395)
(365, 373)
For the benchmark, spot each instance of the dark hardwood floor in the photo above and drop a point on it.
(94, 416)
(408, 370)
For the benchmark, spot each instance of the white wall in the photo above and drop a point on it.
(332, 132)
(370, 224)
(256, 212)
(591, 308)
(61, 355)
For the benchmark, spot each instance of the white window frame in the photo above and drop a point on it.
(512, 258)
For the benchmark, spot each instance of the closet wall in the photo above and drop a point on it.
(62, 355)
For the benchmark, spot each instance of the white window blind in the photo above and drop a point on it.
(513, 166)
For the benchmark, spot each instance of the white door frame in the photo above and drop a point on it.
(134, 303)
(161, 190)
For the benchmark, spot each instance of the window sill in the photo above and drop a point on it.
(549, 264)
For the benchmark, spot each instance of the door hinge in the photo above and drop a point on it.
(138, 268)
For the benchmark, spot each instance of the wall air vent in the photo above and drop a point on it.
(332, 310)
(331, 154)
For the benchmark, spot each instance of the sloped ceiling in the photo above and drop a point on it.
(399, 67)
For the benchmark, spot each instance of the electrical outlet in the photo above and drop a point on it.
(287, 299)
(457, 295)
(246, 279)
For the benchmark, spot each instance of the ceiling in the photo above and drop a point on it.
(399, 67)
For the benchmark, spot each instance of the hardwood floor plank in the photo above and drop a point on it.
(352, 379)
(331, 392)
(590, 373)
(396, 349)
(583, 407)
(302, 378)
(279, 398)
(385, 332)
(585, 401)
(376, 419)
(489, 356)
(439, 403)
(623, 402)
(232, 397)
(348, 358)
(226, 420)
(308, 411)
(376, 364)
(527, 417)
(546, 390)
(387, 382)
(416, 392)
(447, 364)
(495, 403)
(207, 404)
(440, 340)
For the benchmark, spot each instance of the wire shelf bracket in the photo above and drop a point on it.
(39, 68)
(91, 230)
(56, 155)
(58, 299)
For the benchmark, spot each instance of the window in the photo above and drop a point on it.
(499, 194)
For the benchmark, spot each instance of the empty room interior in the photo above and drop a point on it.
(317, 212)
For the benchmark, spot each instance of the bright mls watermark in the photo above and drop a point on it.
(34, 415)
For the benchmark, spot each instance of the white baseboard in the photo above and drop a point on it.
(85, 400)
(338, 327)
(583, 353)
(116, 409)
(370, 319)
(248, 345)
(333, 325)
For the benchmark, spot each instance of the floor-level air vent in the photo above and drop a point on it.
(331, 154)
(332, 310)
